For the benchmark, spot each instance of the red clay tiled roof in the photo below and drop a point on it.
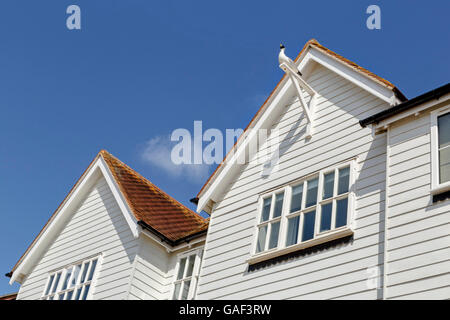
(152, 205)
(316, 44)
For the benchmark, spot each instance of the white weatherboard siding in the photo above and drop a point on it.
(153, 272)
(339, 272)
(419, 231)
(97, 226)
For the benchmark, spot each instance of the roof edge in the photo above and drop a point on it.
(171, 242)
(425, 97)
(9, 274)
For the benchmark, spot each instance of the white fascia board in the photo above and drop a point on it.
(169, 248)
(351, 75)
(413, 111)
(59, 219)
(121, 201)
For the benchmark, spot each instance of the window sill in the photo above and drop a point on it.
(321, 238)
(440, 188)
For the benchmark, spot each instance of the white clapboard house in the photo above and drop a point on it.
(355, 205)
(115, 236)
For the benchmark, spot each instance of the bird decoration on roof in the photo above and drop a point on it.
(283, 58)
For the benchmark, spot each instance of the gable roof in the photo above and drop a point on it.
(153, 206)
(147, 204)
(313, 43)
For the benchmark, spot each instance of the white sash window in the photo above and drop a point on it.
(186, 275)
(309, 211)
(440, 150)
(74, 282)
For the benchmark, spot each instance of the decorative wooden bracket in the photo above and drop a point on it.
(300, 84)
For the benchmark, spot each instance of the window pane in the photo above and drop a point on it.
(311, 192)
(85, 292)
(50, 282)
(274, 231)
(341, 213)
(76, 272)
(185, 292)
(292, 232)
(266, 209)
(325, 217)
(66, 279)
(61, 296)
(296, 201)
(58, 276)
(69, 295)
(344, 175)
(77, 294)
(328, 185)
(176, 291)
(308, 225)
(278, 205)
(181, 268)
(444, 165)
(261, 239)
(50, 298)
(190, 266)
(91, 272)
(444, 130)
(85, 269)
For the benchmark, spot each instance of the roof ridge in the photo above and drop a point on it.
(315, 43)
(137, 175)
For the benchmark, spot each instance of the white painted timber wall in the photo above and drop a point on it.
(339, 272)
(97, 226)
(419, 231)
(153, 272)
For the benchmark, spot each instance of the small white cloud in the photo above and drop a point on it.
(157, 152)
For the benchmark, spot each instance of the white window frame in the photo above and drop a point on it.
(436, 187)
(198, 252)
(319, 237)
(64, 270)
(271, 219)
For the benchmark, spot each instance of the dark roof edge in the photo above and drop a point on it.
(399, 94)
(430, 95)
(171, 242)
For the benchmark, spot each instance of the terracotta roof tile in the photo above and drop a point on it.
(152, 205)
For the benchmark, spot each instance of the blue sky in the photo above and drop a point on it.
(137, 70)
